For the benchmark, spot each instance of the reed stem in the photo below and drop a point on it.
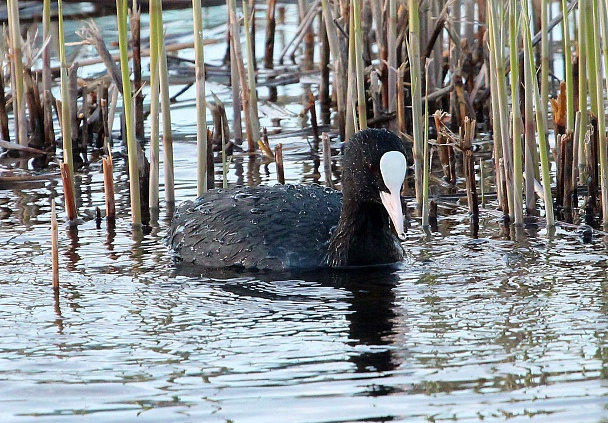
(17, 73)
(544, 50)
(127, 100)
(416, 79)
(599, 21)
(531, 84)
(201, 104)
(165, 105)
(425, 155)
(153, 194)
(66, 123)
(518, 218)
(361, 103)
(54, 246)
(253, 100)
(568, 73)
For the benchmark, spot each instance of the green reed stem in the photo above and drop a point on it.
(253, 102)
(127, 97)
(17, 70)
(66, 122)
(416, 78)
(425, 169)
(544, 51)
(582, 90)
(600, 110)
(531, 85)
(391, 41)
(568, 76)
(201, 104)
(224, 159)
(496, 13)
(153, 196)
(165, 104)
(530, 160)
(516, 130)
(361, 103)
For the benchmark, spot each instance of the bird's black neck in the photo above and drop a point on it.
(363, 237)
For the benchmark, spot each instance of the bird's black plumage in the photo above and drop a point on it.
(293, 226)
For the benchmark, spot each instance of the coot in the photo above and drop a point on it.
(303, 227)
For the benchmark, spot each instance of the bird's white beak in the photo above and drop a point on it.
(393, 167)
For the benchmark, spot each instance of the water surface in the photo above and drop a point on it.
(511, 326)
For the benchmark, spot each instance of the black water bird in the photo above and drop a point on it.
(302, 227)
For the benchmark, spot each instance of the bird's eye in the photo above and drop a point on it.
(372, 168)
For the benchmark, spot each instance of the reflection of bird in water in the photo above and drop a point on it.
(369, 297)
(288, 227)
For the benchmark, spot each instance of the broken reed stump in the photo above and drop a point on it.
(445, 150)
(327, 160)
(313, 118)
(324, 95)
(210, 168)
(4, 133)
(68, 193)
(265, 145)
(591, 149)
(269, 46)
(108, 185)
(54, 246)
(278, 158)
(565, 187)
(560, 111)
(469, 172)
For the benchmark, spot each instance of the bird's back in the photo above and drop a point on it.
(265, 228)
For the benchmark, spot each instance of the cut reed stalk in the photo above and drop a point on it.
(68, 193)
(327, 160)
(582, 87)
(265, 145)
(516, 128)
(54, 246)
(324, 96)
(201, 108)
(469, 172)
(121, 16)
(271, 24)
(416, 80)
(108, 185)
(278, 159)
(4, 132)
